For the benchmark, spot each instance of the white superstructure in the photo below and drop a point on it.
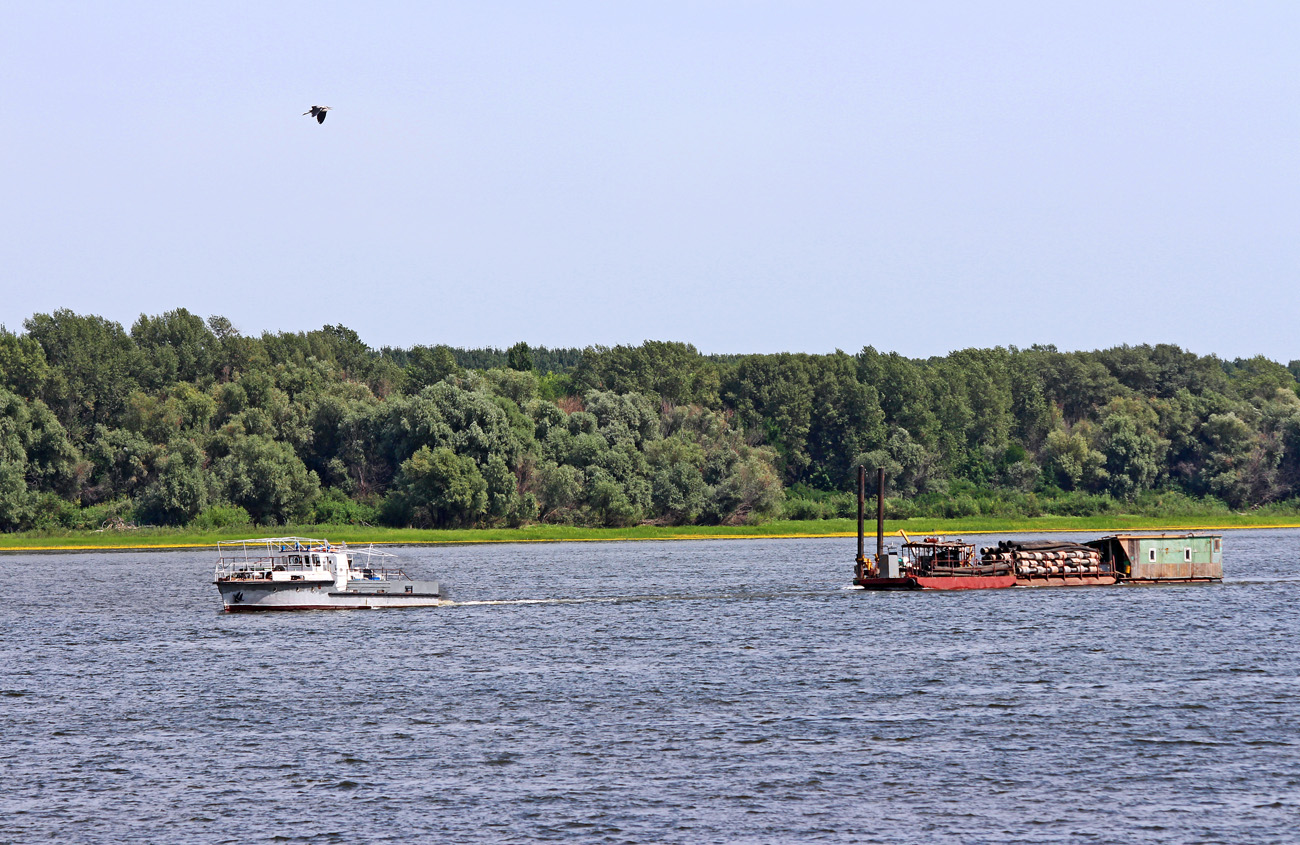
(303, 573)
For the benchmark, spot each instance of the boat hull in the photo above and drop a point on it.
(1086, 580)
(250, 597)
(1155, 582)
(939, 582)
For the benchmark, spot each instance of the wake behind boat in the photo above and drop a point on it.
(301, 573)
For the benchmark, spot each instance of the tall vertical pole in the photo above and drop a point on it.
(862, 513)
(880, 514)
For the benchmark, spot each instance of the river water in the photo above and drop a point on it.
(693, 692)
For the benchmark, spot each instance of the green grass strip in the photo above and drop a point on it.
(181, 538)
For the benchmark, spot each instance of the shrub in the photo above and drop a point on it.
(961, 505)
(221, 516)
(896, 509)
(336, 508)
(804, 502)
(797, 507)
(1081, 504)
(53, 512)
(98, 516)
(1177, 503)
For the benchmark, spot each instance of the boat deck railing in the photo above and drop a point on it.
(300, 555)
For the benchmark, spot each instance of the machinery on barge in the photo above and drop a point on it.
(302, 573)
(938, 564)
(934, 564)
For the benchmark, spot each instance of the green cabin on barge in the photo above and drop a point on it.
(1162, 558)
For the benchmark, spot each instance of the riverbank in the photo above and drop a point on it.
(179, 538)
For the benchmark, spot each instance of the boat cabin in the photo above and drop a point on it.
(301, 573)
(1155, 558)
(300, 559)
(932, 555)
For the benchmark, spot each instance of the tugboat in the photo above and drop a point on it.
(302, 573)
(934, 564)
(931, 564)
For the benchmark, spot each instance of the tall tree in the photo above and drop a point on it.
(93, 361)
(177, 346)
(520, 357)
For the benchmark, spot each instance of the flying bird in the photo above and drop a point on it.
(318, 112)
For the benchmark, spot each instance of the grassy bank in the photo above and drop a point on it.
(184, 538)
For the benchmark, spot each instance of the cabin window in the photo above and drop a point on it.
(1151, 555)
(1216, 543)
(315, 560)
(1187, 554)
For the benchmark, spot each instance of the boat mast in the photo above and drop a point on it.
(880, 515)
(862, 507)
(862, 519)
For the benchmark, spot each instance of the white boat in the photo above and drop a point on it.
(301, 573)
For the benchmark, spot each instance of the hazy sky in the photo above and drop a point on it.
(744, 176)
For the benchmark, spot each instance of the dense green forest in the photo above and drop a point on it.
(182, 421)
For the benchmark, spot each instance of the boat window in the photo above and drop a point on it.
(1151, 555)
(315, 560)
(1216, 543)
(1187, 554)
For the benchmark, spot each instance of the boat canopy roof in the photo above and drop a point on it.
(283, 545)
(935, 542)
(1185, 535)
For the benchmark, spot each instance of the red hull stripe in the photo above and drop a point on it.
(951, 582)
(245, 608)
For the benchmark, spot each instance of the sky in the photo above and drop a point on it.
(742, 176)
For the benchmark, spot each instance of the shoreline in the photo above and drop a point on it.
(83, 542)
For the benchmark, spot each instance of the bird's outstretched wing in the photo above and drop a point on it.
(320, 116)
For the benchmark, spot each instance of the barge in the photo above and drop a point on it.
(302, 573)
(934, 564)
(938, 564)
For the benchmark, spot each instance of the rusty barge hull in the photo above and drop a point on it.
(942, 582)
(1156, 582)
(1067, 581)
(990, 582)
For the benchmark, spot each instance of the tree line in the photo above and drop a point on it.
(186, 421)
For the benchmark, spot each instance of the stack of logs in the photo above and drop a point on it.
(1045, 558)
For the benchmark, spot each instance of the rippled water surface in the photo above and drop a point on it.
(720, 691)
